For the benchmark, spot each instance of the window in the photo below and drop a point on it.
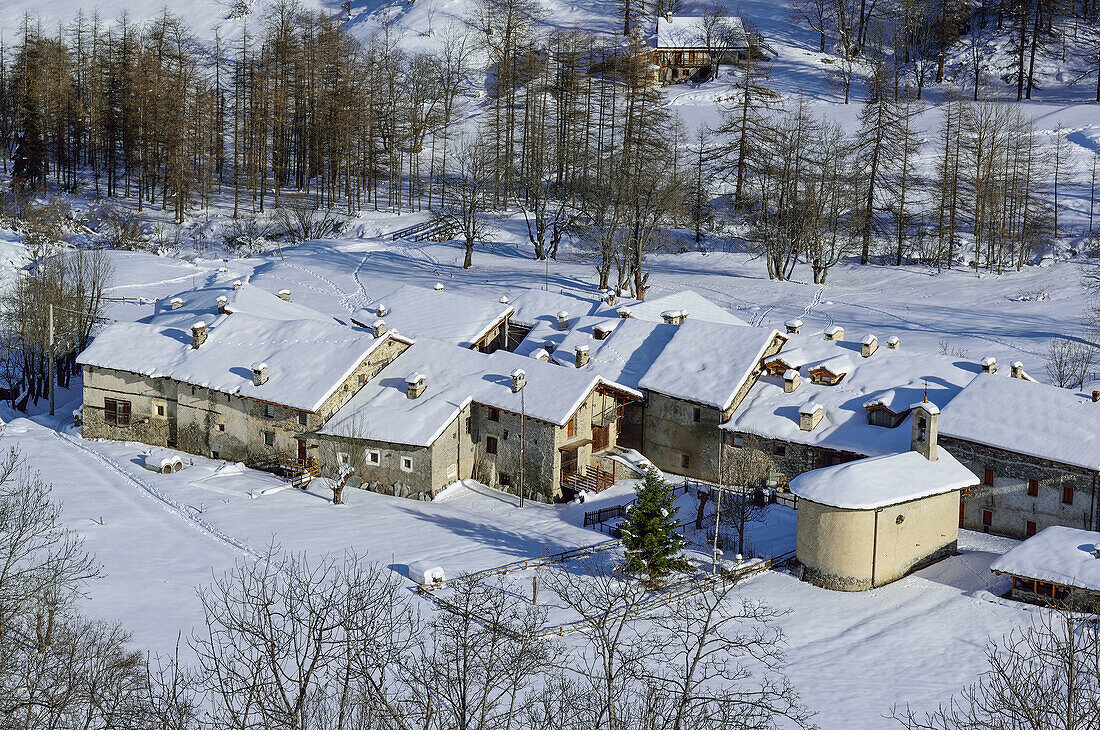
(116, 412)
(738, 441)
(213, 454)
(469, 425)
(269, 410)
(1033, 487)
(1029, 529)
(987, 519)
(362, 380)
(494, 414)
(303, 419)
(696, 415)
(490, 445)
(571, 429)
(160, 410)
(685, 461)
(269, 438)
(1067, 495)
(779, 449)
(373, 457)
(221, 427)
(988, 476)
(406, 463)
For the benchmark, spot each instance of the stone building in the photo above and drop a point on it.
(1059, 566)
(229, 372)
(870, 522)
(684, 46)
(440, 413)
(1035, 449)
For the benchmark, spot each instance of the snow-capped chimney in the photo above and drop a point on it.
(541, 354)
(868, 345)
(176, 303)
(836, 333)
(284, 294)
(989, 365)
(581, 355)
(602, 331)
(382, 310)
(668, 17)
(611, 298)
(925, 429)
(809, 415)
(237, 285)
(1096, 396)
(791, 380)
(415, 385)
(379, 327)
(1017, 370)
(198, 334)
(259, 373)
(563, 320)
(674, 316)
(438, 286)
(794, 326)
(223, 301)
(894, 343)
(623, 312)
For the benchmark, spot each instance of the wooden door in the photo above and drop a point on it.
(301, 449)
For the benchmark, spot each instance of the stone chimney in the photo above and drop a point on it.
(611, 298)
(809, 415)
(223, 301)
(894, 343)
(989, 365)
(623, 312)
(581, 355)
(1017, 370)
(791, 380)
(674, 316)
(668, 16)
(794, 326)
(415, 385)
(1096, 396)
(868, 345)
(259, 373)
(284, 294)
(379, 327)
(563, 320)
(541, 354)
(503, 300)
(237, 285)
(438, 286)
(836, 333)
(198, 334)
(925, 436)
(176, 303)
(602, 331)
(519, 379)
(382, 310)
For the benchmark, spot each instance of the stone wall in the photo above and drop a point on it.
(795, 458)
(671, 433)
(1007, 498)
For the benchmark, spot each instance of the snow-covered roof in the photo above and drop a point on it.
(307, 359)
(697, 307)
(706, 362)
(629, 352)
(1062, 555)
(1028, 418)
(793, 359)
(837, 365)
(442, 315)
(689, 31)
(881, 481)
(896, 378)
(535, 306)
(250, 300)
(455, 377)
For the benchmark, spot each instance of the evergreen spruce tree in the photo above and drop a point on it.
(649, 532)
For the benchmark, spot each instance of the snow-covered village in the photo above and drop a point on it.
(549, 365)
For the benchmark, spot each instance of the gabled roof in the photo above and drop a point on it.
(1027, 418)
(202, 304)
(689, 31)
(883, 480)
(698, 308)
(707, 363)
(419, 312)
(307, 359)
(455, 377)
(1061, 555)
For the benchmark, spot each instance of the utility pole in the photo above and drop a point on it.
(519, 379)
(52, 378)
(718, 503)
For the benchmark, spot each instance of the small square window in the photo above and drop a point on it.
(738, 441)
(160, 410)
(490, 445)
(1067, 495)
(406, 463)
(269, 410)
(696, 415)
(269, 438)
(988, 476)
(221, 427)
(374, 457)
(685, 461)
(303, 419)
(1033, 487)
(494, 414)
(779, 449)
